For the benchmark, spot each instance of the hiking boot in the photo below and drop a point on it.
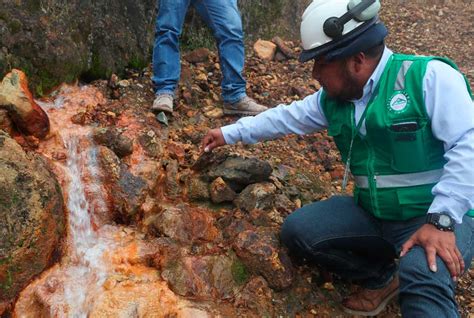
(246, 106)
(370, 302)
(163, 102)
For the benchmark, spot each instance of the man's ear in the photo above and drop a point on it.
(358, 63)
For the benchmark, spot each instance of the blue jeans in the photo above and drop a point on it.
(223, 17)
(343, 238)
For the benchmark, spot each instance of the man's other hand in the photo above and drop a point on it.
(436, 242)
(213, 139)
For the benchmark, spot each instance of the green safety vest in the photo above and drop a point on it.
(397, 163)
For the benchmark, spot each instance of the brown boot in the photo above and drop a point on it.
(370, 302)
(246, 106)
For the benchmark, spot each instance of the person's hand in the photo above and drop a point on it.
(436, 242)
(213, 139)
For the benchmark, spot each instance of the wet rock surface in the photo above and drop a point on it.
(16, 98)
(122, 146)
(126, 191)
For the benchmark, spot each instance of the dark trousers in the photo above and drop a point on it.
(344, 239)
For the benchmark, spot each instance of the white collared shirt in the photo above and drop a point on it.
(448, 105)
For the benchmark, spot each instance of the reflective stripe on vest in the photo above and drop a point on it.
(401, 180)
(400, 82)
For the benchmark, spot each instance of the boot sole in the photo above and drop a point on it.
(239, 112)
(164, 109)
(374, 312)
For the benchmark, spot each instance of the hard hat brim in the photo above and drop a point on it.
(367, 35)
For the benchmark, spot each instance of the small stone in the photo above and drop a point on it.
(256, 196)
(198, 56)
(79, 118)
(60, 156)
(214, 113)
(221, 192)
(161, 117)
(123, 83)
(198, 189)
(265, 49)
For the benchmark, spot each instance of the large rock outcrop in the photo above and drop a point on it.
(58, 41)
(32, 217)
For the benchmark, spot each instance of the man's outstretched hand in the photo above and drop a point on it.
(436, 242)
(213, 139)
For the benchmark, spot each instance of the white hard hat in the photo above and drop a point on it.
(328, 23)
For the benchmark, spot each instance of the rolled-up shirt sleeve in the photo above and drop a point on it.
(451, 110)
(300, 117)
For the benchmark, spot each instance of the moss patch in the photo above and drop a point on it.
(137, 63)
(15, 26)
(97, 69)
(259, 18)
(240, 273)
(197, 36)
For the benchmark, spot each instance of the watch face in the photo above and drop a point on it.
(444, 220)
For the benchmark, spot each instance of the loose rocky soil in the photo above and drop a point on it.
(415, 28)
(308, 165)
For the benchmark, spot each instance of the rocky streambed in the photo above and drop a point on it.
(109, 211)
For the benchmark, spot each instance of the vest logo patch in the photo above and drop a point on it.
(398, 102)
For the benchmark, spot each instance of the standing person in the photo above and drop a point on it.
(223, 18)
(404, 125)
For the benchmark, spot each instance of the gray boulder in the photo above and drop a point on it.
(32, 219)
(57, 41)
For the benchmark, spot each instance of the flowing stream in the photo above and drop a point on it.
(101, 272)
(85, 249)
(83, 270)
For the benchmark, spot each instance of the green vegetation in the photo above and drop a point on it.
(137, 62)
(33, 5)
(196, 35)
(7, 284)
(15, 26)
(46, 81)
(97, 69)
(258, 18)
(239, 272)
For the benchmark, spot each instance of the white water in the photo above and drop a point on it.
(85, 250)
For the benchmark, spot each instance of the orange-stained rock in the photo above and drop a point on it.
(257, 295)
(3, 307)
(27, 115)
(221, 192)
(131, 288)
(126, 192)
(6, 123)
(256, 196)
(198, 56)
(202, 277)
(185, 224)
(260, 251)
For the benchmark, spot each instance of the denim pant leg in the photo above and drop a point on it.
(343, 238)
(223, 17)
(166, 62)
(427, 294)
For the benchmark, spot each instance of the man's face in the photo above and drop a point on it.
(336, 79)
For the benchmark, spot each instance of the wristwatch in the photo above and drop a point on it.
(442, 221)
